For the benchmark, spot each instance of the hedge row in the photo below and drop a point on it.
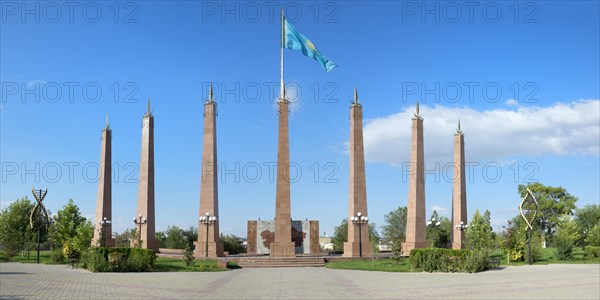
(104, 259)
(448, 260)
(592, 252)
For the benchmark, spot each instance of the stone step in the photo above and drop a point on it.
(279, 262)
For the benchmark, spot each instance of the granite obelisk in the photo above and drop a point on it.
(282, 246)
(415, 219)
(459, 192)
(209, 194)
(145, 205)
(357, 192)
(103, 231)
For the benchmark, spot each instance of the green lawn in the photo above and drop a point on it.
(382, 264)
(44, 258)
(549, 257)
(177, 265)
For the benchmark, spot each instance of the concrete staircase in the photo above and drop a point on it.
(270, 262)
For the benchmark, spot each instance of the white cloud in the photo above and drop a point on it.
(561, 129)
(33, 83)
(511, 102)
(440, 209)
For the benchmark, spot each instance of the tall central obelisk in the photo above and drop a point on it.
(357, 192)
(209, 192)
(103, 231)
(415, 219)
(459, 192)
(145, 205)
(282, 246)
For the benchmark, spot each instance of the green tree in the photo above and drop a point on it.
(394, 229)
(175, 238)
(586, 218)
(66, 222)
(16, 233)
(553, 202)
(232, 244)
(479, 233)
(161, 237)
(565, 238)
(83, 236)
(124, 239)
(438, 236)
(340, 235)
(191, 235)
(593, 236)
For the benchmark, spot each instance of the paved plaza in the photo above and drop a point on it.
(30, 281)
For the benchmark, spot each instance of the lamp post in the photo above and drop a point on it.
(434, 224)
(140, 222)
(39, 207)
(461, 226)
(207, 220)
(359, 219)
(103, 223)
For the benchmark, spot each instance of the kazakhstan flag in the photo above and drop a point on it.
(295, 40)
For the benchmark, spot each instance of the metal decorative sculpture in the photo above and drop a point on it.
(39, 206)
(529, 210)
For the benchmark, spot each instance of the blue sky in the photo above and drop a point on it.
(523, 78)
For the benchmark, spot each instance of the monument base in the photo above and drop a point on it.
(407, 246)
(283, 249)
(109, 242)
(215, 249)
(458, 245)
(352, 249)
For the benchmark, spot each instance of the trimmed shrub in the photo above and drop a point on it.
(592, 252)
(95, 261)
(476, 261)
(446, 260)
(118, 260)
(140, 260)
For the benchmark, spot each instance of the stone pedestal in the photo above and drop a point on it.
(145, 205)
(459, 192)
(315, 248)
(251, 238)
(415, 219)
(104, 198)
(283, 249)
(215, 249)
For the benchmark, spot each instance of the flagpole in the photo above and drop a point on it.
(282, 86)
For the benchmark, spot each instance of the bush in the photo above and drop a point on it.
(476, 261)
(592, 252)
(95, 261)
(188, 256)
(564, 247)
(447, 260)
(593, 237)
(140, 260)
(536, 248)
(117, 262)
(57, 256)
(118, 259)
